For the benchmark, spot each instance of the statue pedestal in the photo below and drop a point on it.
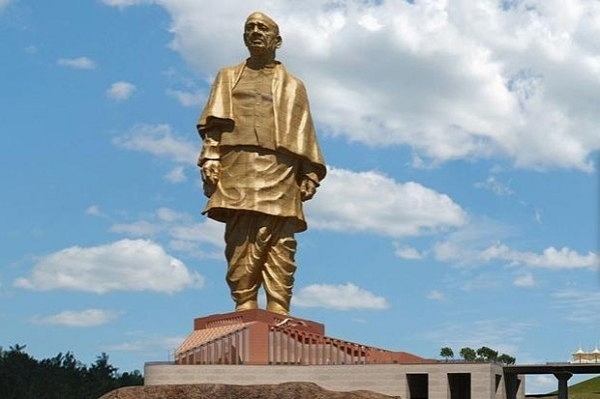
(259, 337)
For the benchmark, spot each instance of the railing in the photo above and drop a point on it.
(232, 348)
(290, 346)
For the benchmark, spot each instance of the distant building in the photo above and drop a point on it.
(580, 356)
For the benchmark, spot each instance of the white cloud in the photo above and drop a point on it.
(77, 63)
(120, 91)
(486, 281)
(436, 295)
(408, 253)
(339, 297)
(188, 99)
(478, 243)
(4, 3)
(525, 280)
(208, 231)
(93, 210)
(538, 214)
(452, 80)
(498, 334)
(126, 3)
(371, 202)
(126, 265)
(179, 226)
(578, 306)
(136, 346)
(492, 184)
(31, 49)
(550, 258)
(147, 343)
(541, 384)
(169, 215)
(159, 140)
(140, 228)
(369, 22)
(464, 246)
(83, 318)
(180, 229)
(176, 175)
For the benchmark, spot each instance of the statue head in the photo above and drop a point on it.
(261, 35)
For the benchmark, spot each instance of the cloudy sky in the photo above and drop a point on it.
(460, 208)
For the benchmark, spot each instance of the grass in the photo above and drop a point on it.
(588, 389)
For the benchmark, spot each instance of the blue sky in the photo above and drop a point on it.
(460, 208)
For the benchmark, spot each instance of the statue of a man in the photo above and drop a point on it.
(259, 161)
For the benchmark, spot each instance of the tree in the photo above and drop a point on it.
(487, 354)
(131, 379)
(17, 371)
(101, 376)
(468, 354)
(506, 359)
(446, 353)
(60, 377)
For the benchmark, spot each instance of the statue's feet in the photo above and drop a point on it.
(246, 306)
(277, 308)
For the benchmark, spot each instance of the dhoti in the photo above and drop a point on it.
(260, 250)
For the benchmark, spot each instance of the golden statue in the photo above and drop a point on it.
(259, 161)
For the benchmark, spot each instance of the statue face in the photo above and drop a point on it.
(261, 35)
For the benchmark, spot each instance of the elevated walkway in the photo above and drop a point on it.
(562, 371)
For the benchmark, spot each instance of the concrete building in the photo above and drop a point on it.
(410, 381)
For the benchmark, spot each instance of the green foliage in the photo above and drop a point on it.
(468, 354)
(60, 377)
(485, 354)
(506, 359)
(446, 352)
(588, 389)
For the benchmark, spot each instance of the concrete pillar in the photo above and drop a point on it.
(563, 388)
(511, 382)
(438, 385)
(482, 383)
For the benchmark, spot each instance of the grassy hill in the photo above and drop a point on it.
(588, 389)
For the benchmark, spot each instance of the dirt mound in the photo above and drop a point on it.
(288, 390)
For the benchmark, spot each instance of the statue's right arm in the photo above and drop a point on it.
(209, 160)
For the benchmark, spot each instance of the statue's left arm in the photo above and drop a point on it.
(309, 181)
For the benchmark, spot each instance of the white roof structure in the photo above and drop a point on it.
(581, 356)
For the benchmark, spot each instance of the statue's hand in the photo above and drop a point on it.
(211, 170)
(308, 188)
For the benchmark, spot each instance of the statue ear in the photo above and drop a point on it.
(278, 41)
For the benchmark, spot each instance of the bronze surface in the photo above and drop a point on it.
(260, 160)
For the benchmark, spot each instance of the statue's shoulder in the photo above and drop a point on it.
(231, 70)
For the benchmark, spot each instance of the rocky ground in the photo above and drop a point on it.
(289, 390)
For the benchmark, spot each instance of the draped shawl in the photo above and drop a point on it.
(294, 130)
